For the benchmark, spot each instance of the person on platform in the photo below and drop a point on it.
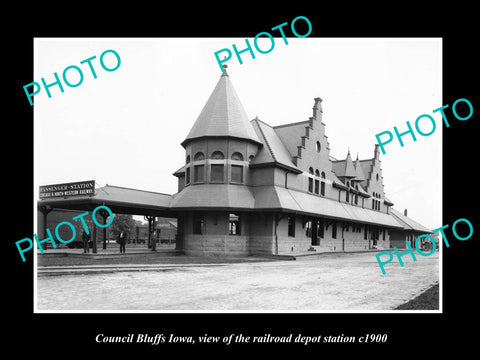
(122, 240)
(86, 239)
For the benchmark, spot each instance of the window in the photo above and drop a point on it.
(322, 175)
(317, 173)
(216, 173)
(188, 159)
(217, 155)
(237, 156)
(310, 184)
(334, 230)
(356, 199)
(251, 157)
(317, 186)
(291, 226)
(234, 224)
(199, 173)
(198, 224)
(318, 147)
(187, 175)
(322, 188)
(237, 173)
(347, 194)
(376, 176)
(310, 170)
(199, 156)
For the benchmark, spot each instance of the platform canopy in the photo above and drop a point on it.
(120, 200)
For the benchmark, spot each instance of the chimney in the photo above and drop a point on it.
(405, 212)
(376, 153)
(317, 107)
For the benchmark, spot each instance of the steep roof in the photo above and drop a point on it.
(359, 174)
(408, 223)
(223, 115)
(274, 151)
(344, 168)
(277, 197)
(220, 196)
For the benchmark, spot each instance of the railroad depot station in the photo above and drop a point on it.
(247, 188)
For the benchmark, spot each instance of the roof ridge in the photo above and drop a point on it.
(127, 188)
(265, 138)
(263, 122)
(291, 124)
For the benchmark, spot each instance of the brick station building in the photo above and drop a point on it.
(249, 188)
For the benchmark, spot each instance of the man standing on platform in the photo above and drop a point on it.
(86, 239)
(122, 240)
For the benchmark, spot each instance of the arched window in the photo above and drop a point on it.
(251, 157)
(199, 156)
(310, 180)
(322, 184)
(376, 176)
(318, 147)
(217, 155)
(317, 173)
(237, 156)
(188, 159)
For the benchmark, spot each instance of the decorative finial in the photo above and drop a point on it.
(224, 67)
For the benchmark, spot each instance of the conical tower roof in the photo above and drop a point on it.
(345, 168)
(360, 175)
(223, 115)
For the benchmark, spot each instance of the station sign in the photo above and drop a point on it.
(79, 188)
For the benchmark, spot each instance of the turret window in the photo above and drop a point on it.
(199, 173)
(199, 156)
(217, 155)
(237, 173)
(217, 173)
(237, 156)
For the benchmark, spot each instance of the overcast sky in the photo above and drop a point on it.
(125, 127)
